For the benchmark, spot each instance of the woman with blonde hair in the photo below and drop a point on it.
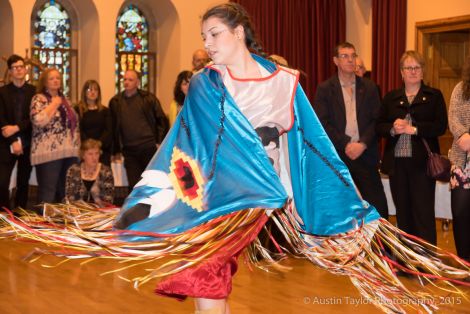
(55, 136)
(90, 181)
(411, 116)
(95, 119)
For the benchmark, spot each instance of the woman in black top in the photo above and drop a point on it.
(95, 119)
(409, 115)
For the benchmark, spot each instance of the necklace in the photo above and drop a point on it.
(410, 98)
(89, 174)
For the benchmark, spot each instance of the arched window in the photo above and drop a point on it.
(132, 47)
(52, 41)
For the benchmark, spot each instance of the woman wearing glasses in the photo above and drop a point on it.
(410, 114)
(95, 119)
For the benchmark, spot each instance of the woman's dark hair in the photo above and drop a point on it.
(466, 79)
(83, 105)
(13, 59)
(232, 15)
(177, 92)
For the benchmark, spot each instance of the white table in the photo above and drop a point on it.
(442, 199)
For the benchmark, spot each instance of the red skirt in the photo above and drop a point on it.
(211, 279)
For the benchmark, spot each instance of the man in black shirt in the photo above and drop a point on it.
(15, 139)
(139, 126)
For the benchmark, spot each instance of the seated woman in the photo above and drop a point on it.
(91, 181)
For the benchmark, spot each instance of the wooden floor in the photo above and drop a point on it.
(71, 288)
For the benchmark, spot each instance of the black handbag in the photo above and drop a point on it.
(438, 166)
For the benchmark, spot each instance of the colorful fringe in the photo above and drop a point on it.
(372, 254)
(72, 242)
(369, 255)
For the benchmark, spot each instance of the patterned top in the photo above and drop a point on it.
(101, 192)
(403, 148)
(459, 124)
(53, 138)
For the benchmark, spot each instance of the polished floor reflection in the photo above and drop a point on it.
(74, 288)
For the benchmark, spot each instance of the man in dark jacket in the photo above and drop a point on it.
(15, 140)
(139, 126)
(348, 106)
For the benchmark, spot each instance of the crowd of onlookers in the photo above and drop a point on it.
(72, 147)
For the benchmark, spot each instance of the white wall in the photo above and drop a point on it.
(359, 28)
(6, 29)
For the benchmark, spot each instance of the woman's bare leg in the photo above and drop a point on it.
(211, 306)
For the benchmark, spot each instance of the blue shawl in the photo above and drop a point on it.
(217, 165)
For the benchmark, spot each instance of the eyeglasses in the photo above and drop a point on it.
(91, 89)
(17, 67)
(412, 69)
(346, 56)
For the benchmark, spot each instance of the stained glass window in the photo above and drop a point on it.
(132, 42)
(52, 41)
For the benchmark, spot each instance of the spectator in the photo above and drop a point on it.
(130, 108)
(200, 59)
(56, 136)
(95, 119)
(15, 140)
(348, 106)
(278, 60)
(90, 181)
(179, 93)
(360, 67)
(459, 124)
(409, 115)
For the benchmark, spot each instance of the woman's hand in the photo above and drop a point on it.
(56, 101)
(9, 130)
(400, 126)
(464, 142)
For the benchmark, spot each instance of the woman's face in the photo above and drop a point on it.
(92, 94)
(91, 157)
(53, 81)
(411, 71)
(184, 87)
(222, 43)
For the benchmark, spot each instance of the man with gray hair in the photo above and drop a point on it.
(139, 126)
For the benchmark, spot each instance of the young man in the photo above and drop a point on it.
(15, 138)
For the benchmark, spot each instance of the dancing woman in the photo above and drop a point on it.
(245, 148)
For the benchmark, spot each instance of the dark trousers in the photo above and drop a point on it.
(367, 180)
(105, 158)
(460, 204)
(413, 194)
(51, 179)
(135, 162)
(22, 180)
